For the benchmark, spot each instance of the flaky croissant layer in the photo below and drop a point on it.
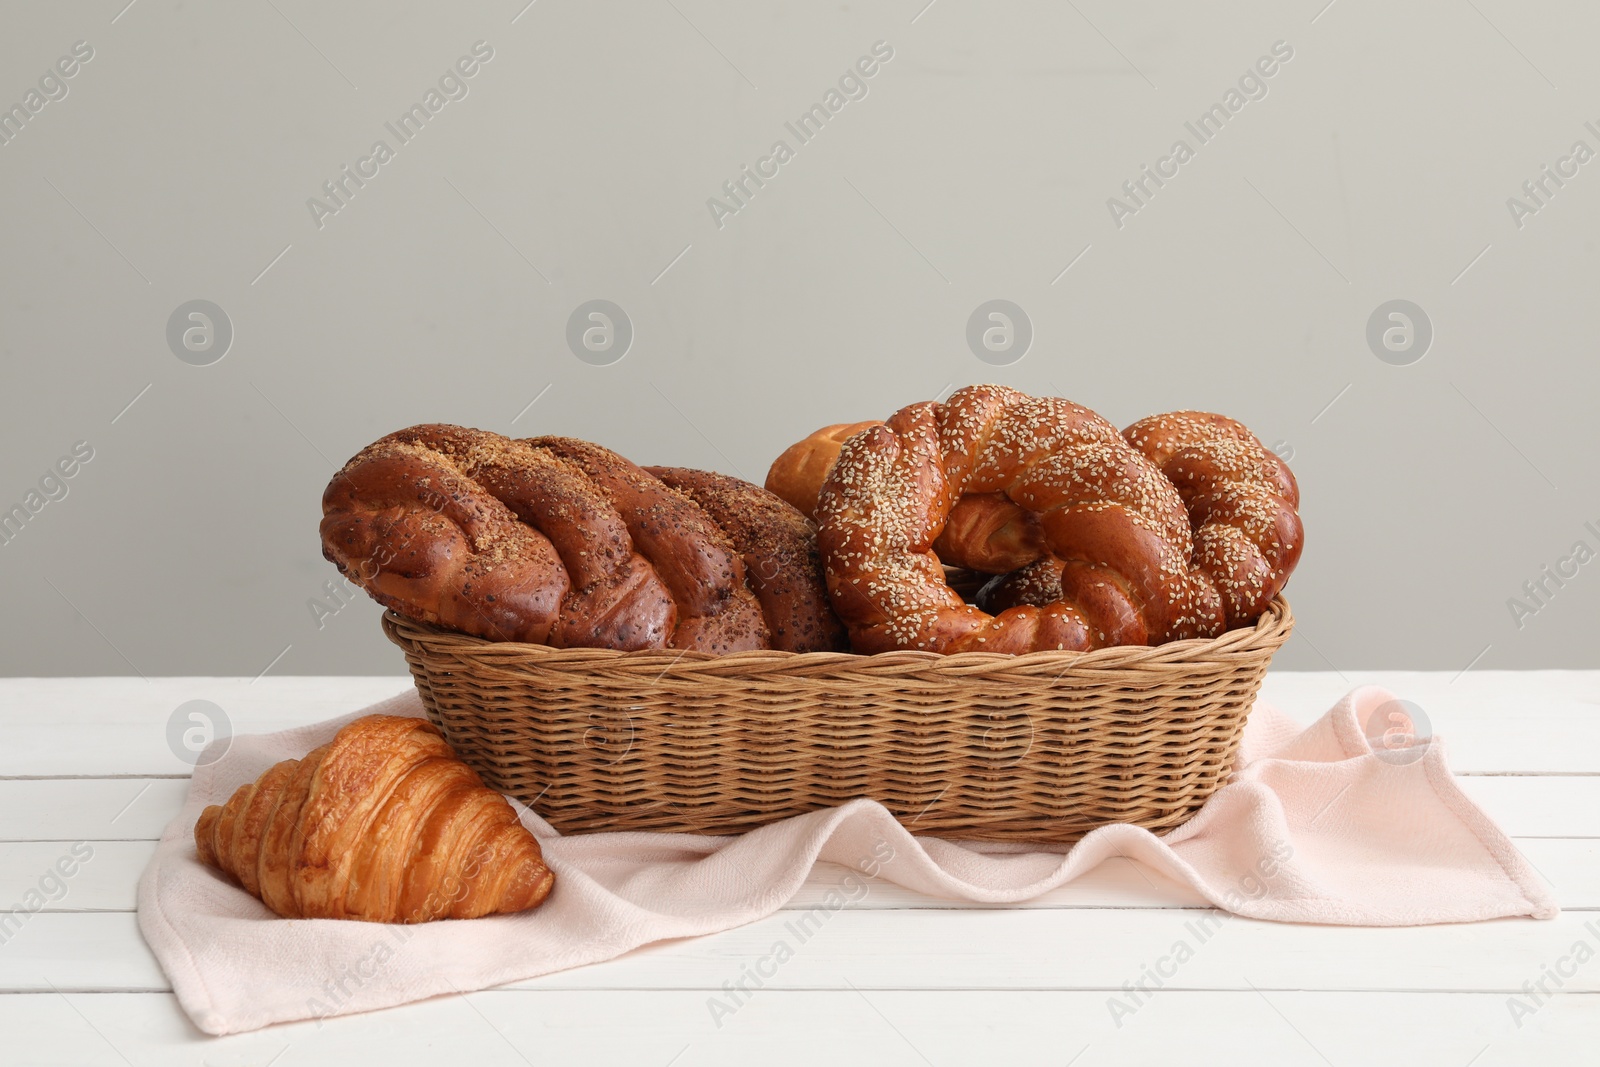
(383, 823)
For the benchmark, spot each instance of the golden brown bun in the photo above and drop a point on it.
(779, 548)
(383, 823)
(798, 473)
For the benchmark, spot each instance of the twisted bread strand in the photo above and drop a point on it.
(779, 549)
(693, 557)
(407, 520)
(383, 823)
(1242, 501)
(551, 541)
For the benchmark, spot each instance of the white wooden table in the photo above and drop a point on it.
(896, 978)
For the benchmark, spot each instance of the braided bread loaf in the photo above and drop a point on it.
(511, 541)
(548, 540)
(1118, 526)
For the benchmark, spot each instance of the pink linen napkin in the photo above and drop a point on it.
(1316, 826)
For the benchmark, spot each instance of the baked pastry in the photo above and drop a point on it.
(798, 472)
(1242, 499)
(384, 824)
(1116, 523)
(779, 549)
(553, 541)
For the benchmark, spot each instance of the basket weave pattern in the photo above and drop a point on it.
(1038, 747)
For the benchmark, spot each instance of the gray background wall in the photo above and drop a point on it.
(978, 166)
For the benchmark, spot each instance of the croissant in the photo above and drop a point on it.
(384, 824)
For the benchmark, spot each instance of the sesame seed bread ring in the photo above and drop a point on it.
(779, 549)
(1242, 499)
(1117, 524)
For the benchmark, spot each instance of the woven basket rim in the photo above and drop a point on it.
(1266, 634)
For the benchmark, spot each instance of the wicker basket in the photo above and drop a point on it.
(1039, 747)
